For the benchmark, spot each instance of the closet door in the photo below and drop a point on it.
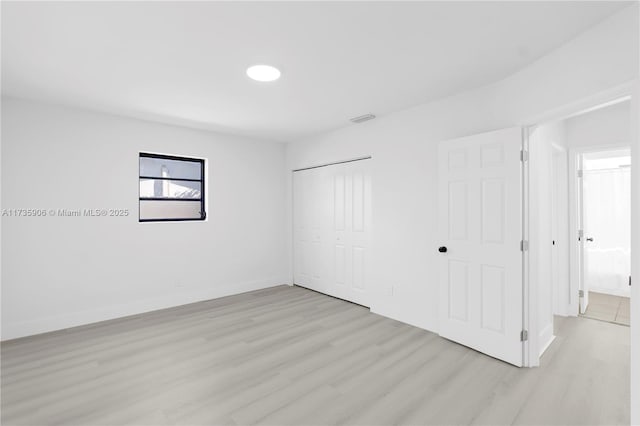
(332, 230)
(352, 231)
(311, 229)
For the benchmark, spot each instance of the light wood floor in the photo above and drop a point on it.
(287, 355)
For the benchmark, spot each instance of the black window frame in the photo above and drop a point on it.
(203, 213)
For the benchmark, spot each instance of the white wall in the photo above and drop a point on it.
(65, 271)
(602, 127)
(404, 147)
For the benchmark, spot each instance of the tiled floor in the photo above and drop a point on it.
(605, 307)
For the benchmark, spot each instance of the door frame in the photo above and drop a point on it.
(599, 100)
(560, 180)
(576, 260)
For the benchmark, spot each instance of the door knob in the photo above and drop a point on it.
(442, 249)
(590, 239)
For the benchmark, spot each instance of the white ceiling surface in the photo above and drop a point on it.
(184, 63)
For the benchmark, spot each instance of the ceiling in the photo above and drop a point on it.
(184, 62)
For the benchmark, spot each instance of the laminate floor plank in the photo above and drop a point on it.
(291, 356)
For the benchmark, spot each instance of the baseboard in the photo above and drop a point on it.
(546, 338)
(60, 322)
(403, 318)
(547, 345)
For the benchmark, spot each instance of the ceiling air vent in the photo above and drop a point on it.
(363, 118)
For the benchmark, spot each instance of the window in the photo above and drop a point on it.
(171, 188)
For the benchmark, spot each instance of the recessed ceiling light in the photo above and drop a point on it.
(263, 73)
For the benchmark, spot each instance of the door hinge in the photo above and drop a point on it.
(580, 173)
(524, 155)
(580, 293)
(524, 245)
(524, 335)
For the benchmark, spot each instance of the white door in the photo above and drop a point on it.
(332, 230)
(351, 231)
(310, 229)
(301, 230)
(480, 223)
(606, 218)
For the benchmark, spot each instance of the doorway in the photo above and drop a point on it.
(574, 160)
(604, 237)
